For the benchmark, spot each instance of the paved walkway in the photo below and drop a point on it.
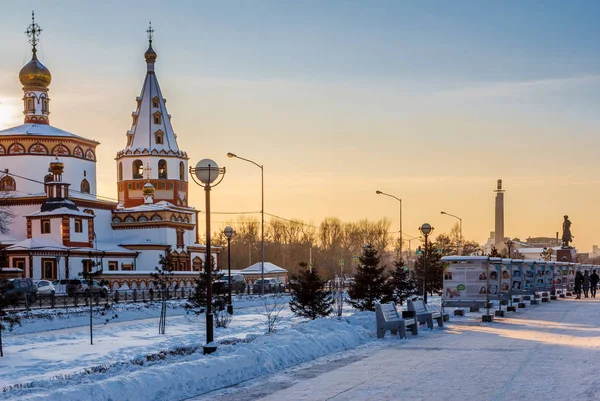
(546, 352)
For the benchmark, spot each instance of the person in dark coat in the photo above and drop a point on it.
(578, 282)
(586, 283)
(594, 278)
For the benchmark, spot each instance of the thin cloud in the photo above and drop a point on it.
(518, 88)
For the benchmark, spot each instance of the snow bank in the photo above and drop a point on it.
(230, 365)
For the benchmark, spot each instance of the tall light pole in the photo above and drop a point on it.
(229, 233)
(262, 217)
(400, 202)
(461, 236)
(205, 174)
(425, 229)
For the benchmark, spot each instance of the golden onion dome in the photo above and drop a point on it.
(148, 189)
(150, 55)
(57, 166)
(35, 73)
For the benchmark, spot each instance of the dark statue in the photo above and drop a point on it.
(566, 236)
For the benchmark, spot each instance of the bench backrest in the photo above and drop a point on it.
(388, 312)
(419, 306)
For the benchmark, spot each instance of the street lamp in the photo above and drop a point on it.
(400, 202)
(207, 174)
(509, 244)
(262, 218)
(461, 236)
(229, 233)
(425, 229)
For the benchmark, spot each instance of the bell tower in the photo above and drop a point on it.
(151, 145)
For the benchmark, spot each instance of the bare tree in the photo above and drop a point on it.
(6, 213)
(273, 305)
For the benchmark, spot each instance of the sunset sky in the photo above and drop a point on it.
(429, 101)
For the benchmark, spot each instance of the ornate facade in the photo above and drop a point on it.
(61, 228)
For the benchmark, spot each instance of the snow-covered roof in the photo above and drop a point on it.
(153, 207)
(269, 268)
(52, 245)
(40, 130)
(60, 211)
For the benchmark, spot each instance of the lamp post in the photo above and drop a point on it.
(400, 203)
(262, 217)
(229, 233)
(207, 174)
(461, 236)
(425, 229)
(509, 244)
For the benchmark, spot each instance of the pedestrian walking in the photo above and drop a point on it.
(586, 283)
(594, 278)
(578, 283)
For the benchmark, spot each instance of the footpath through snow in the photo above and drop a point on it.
(546, 352)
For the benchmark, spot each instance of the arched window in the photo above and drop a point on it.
(30, 104)
(181, 171)
(120, 171)
(155, 102)
(157, 118)
(159, 137)
(137, 169)
(162, 169)
(7, 183)
(45, 105)
(85, 186)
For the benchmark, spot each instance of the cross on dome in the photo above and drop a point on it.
(148, 170)
(150, 32)
(33, 32)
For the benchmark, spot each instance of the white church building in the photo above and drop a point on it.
(61, 228)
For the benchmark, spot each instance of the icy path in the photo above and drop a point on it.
(547, 352)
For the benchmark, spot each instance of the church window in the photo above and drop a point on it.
(155, 103)
(85, 186)
(127, 267)
(113, 265)
(181, 171)
(87, 265)
(49, 269)
(7, 183)
(30, 104)
(159, 138)
(78, 225)
(129, 186)
(156, 118)
(44, 105)
(45, 226)
(120, 171)
(180, 243)
(138, 169)
(78, 152)
(171, 185)
(163, 185)
(162, 169)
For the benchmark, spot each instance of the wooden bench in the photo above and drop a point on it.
(388, 319)
(423, 315)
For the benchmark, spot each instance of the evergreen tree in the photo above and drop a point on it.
(434, 273)
(403, 286)
(308, 297)
(7, 320)
(197, 302)
(494, 253)
(370, 284)
(163, 279)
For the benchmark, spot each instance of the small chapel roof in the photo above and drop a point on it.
(30, 129)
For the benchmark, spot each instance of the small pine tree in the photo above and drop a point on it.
(308, 297)
(163, 278)
(197, 302)
(403, 286)
(370, 283)
(434, 272)
(7, 320)
(494, 253)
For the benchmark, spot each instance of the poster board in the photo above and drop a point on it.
(528, 277)
(517, 278)
(467, 280)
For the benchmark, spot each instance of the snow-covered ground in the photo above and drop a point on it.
(131, 361)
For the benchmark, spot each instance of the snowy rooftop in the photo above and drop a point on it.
(51, 245)
(39, 130)
(60, 211)
(162, 205)
(269, 268)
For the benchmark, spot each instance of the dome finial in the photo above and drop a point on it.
(33, 31)
(150, 54)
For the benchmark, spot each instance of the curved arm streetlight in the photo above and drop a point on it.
(461, 236)
(262, 217)
(400, 202)
(208, 174)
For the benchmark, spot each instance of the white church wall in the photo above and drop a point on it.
(18, 227)
(55, 229)
(81, 236)
(147, 260)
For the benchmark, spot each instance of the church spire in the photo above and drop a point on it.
(35, 78)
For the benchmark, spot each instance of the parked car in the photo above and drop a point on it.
(271, 285)
(60, 286)
(238, 283)
(20, 287)
(80, 286)
(45, 287)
